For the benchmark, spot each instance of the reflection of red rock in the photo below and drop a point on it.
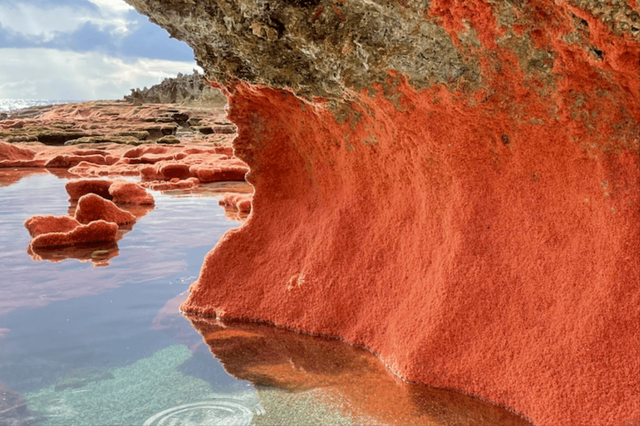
(97, 253)
(471, 248)
(37, 225)
(169, 321)
(98, 231)
(237, 206)
(92, 207)
(296, 362)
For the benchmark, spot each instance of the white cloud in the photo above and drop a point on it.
(39, 73)
(31, 20)
(43, 22)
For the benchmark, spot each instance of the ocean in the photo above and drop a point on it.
(7, 105)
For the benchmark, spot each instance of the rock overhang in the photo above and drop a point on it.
(468, 169)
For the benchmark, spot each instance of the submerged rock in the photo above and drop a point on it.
(13, 408)
(452, 184)
(80, 377)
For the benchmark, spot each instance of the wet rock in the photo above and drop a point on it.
(123, 192)
(94, 232)
(38, 225)
(68, 161)
(92, 207)
(238, 202)
(78, 188)
(9, 152)
(221, 172)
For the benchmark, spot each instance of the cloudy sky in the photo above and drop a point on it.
(83, 50)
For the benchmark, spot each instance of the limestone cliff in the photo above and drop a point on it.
(189, 88)
(453, 184)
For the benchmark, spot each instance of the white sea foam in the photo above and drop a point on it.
(14, 104)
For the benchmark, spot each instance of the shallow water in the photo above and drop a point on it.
(7, 105)
(105, 345)
(79, 342)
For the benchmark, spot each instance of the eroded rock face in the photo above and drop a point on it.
(463, 199)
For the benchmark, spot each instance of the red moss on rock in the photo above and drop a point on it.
(68, 161)
(169, 186)
(92, 207)
(78, 188)
(123, 192)
(239, 202)
(98, 231)
(141, 150)
(38, 225)
(222, 172)
(9, 152)
(469, 247)
(174, 170)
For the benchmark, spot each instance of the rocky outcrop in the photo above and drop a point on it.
(452, 184)
(190, 88)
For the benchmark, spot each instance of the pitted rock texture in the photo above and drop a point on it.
(452, 184)
(189, 88)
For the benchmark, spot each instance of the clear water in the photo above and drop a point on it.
(87, 345)
(14, 104)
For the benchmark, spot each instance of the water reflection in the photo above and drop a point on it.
(347, 379)
(99, 254)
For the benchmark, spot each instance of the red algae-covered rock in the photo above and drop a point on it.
(9, 152)
(123, 192)
(68, 161)
(141, 150)
(524, 247)
(78, 188)
(37, 225)
(92, 207)
(172, 185)
(453, 184)
(98, 231)
(239, 202)
(21, 163)
(206, 173)
(174, 170)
